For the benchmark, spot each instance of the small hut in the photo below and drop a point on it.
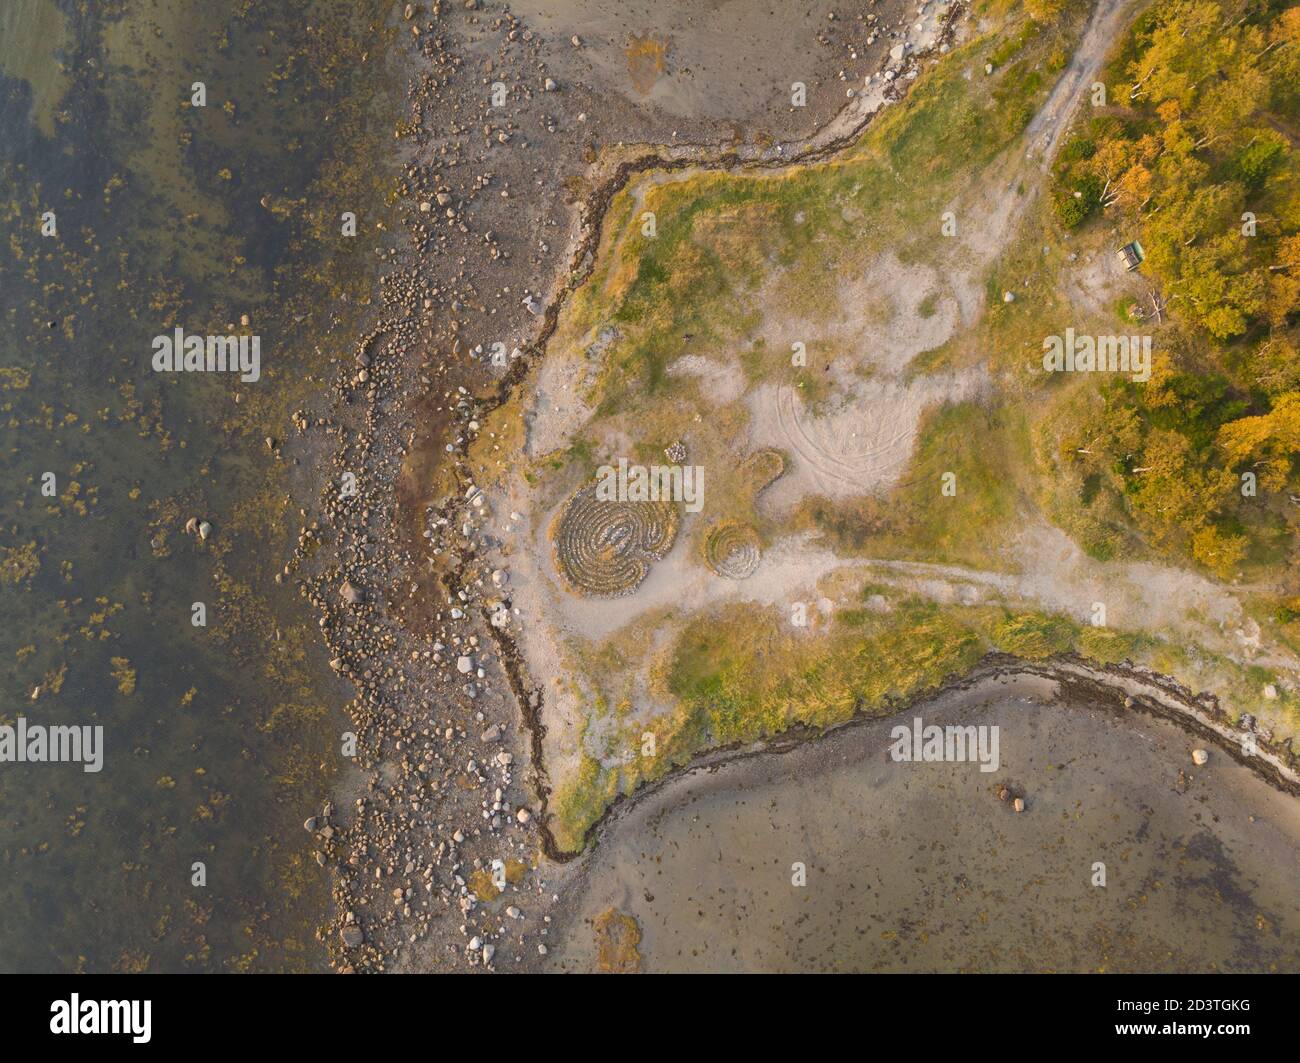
(1132, 255)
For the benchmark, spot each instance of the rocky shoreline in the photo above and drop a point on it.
(433, 836)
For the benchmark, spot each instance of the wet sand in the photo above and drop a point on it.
(920, 867)
(722, 60)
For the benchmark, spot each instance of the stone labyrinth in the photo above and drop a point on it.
(732, 550)
(605, 548)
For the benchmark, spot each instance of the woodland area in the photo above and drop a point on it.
(1195, 152)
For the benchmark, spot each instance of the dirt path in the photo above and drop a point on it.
(1046, 128)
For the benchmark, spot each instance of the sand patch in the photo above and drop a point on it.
(862, 446)
(722, 383)
(883, 318)
(558, 408)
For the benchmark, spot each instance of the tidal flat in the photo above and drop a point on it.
(921, 867)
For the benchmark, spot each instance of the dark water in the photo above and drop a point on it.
(219, 740)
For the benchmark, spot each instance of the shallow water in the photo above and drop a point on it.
(920, 867)
(218, 739)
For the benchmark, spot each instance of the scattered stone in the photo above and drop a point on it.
(1199, 756)
(426, 838)
(1018, 804)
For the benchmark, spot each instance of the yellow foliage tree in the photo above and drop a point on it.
(1269, 442)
